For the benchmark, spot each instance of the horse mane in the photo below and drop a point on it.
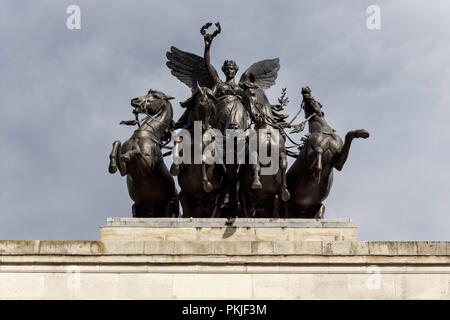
(276, 117)
(167, 135)
(185, 121)
(168, 130)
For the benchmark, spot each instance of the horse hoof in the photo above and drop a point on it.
(112, 168)
(362, 134)
(320, 213)
(256, 185)
(174, 170)
(285, 195)
(207, 186)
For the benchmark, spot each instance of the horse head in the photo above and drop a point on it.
(152, 103)
(256, 103)
(154, 130)
(201, 106)
(139, 158)
(310, 105)
(320, 140)
(204, 106)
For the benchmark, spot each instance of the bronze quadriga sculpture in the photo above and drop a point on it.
(228, 188)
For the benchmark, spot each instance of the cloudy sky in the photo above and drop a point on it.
(63, 93)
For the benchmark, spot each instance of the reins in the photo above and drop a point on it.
(268, 121)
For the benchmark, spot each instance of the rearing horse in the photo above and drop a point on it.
(310, 178)
(149, 183)
(201, 183)
(261, 194)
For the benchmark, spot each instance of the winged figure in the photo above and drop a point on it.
(230, 112)
(191, 69)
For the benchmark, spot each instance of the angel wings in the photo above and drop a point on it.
(191, 69)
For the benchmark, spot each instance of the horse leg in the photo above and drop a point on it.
(276, 206)
(218, 204)
(342, 156)
(139, 211)
(299, 211)
(256, 184)
(251, 206)
(172, 209)
(135, 210)
(256, 168)
(244, 204)
(232, 185)
(292, 210)
(129, 155)
(121, 164)
(315, 211)
(177, 149)
(320, 212)
(247, 204)
(285, 206)
(285, 196)
(116, 159)
(132, 154)
(113, 157)
(186, 204)
(207, 186)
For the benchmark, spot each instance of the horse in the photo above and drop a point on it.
(262, 195)
(310, 177)
(201, 184)
(231, 120)
(149, 183)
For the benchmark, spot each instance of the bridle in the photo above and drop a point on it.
(153, 130)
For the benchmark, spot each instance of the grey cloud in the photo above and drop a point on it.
(63, 93)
